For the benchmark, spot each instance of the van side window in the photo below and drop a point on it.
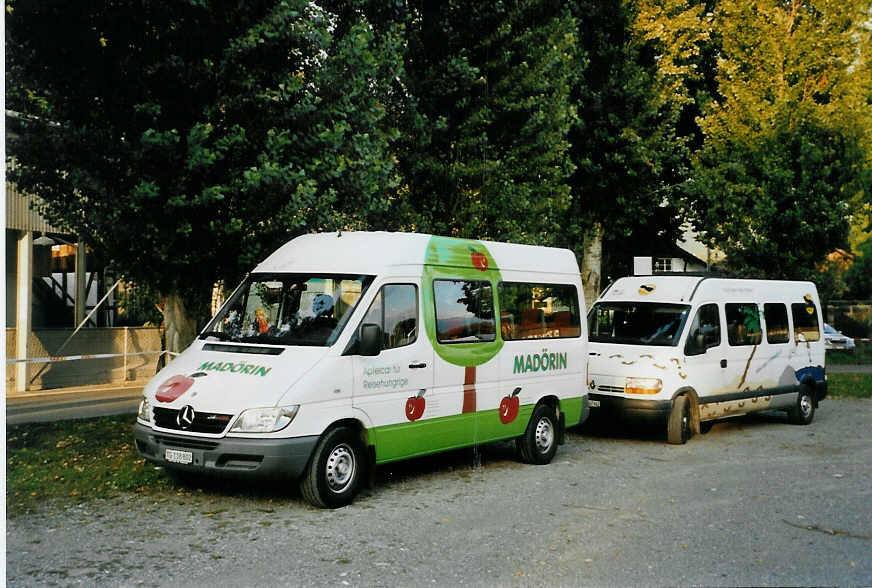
(395, 310)
(743, 324)
(805, 321)
(705, 331)
(777, 329)
(538, 311)
(464, 311)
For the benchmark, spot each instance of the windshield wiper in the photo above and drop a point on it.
(217, 334)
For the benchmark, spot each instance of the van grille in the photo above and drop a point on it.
(204, 422)
(611, 389)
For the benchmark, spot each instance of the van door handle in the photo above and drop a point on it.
(417, 366)
(723, 363)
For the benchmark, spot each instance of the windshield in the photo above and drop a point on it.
(637, 323)
(288, 309)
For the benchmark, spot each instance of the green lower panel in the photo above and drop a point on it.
(393, 442)
(572, 409)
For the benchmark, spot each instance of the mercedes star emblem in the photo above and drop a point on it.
(185, 417)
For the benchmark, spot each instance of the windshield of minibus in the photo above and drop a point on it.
(289, 309)
(637, 323)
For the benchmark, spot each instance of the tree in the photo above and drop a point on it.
(185, 140)
(787, 135)
(776, 206)
(630, 156)
(484, 114)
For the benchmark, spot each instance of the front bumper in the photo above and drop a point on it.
(268, 458)
(633, 409)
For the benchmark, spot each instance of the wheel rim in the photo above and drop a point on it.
(340, 468)
(805, 405)
(544, 435)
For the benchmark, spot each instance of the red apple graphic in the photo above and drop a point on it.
(509, 407)
(415, 406)
(173, 388)
(479, 260)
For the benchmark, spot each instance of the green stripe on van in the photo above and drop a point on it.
(413, 439)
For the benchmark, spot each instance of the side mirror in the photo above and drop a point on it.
(370, 339)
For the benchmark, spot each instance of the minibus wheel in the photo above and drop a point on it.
(802, 412)
(678, 427)
(538, 444)
(333, 475)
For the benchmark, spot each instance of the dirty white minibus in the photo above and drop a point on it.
(346, 350)
(684, 351)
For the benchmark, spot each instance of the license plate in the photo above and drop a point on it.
(176, 456)
(594, 403)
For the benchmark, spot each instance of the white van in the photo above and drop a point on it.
(684, 351)
(346, 350)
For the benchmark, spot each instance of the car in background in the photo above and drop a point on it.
(835, 340)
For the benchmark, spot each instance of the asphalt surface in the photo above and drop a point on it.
(756, 501)
(73, 403)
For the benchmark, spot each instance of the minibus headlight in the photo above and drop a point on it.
(264, 420)
(144, 410)
(643, 385)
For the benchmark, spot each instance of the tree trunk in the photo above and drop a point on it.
(179, 327)
(591, 263)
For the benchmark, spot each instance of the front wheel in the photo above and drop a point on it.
(538, 444)
(332, 477)
(678, 427)
(803, 412)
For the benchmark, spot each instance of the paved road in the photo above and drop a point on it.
(756, 501)
(75, 403)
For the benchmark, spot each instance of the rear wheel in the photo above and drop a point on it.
(678, 427)
(803, 412)
(333, 476)
(538, 444)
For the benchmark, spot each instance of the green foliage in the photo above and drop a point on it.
(485, 112)
(858, 277)
(629, 153)
(850, 385)
(186, 140)
(778, 204)
(785, 160)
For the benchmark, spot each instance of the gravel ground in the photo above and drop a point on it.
(753, 502)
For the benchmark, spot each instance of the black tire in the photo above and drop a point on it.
(803, 412)
(538, 444)
(678, 427)
(333, 475)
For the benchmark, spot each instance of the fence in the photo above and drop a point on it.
(114, 355)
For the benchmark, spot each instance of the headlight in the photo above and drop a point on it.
(264, 420)
(144, 410)
(643, 385)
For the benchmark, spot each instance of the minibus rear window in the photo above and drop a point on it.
(637, 323)
(805, 321)
(289, 309)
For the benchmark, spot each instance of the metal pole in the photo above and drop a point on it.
(125, 354)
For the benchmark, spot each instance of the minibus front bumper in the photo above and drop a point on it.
(635, 409)
(268, 458)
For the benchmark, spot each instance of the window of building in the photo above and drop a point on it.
(662, 264)
(777, 329)
(538, 311)
(464, 311)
